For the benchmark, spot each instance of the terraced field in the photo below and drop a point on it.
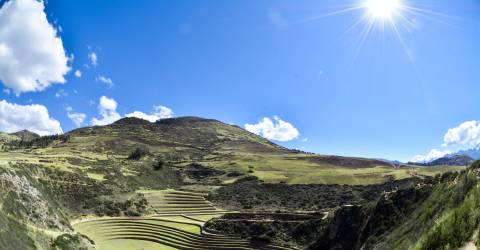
(176, 224)
(173, 202)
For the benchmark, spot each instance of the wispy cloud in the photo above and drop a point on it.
(93, 58)
(77, 118)
(61, 93)
(107, 80)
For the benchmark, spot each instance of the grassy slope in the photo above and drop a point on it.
(180, 229)
(89, 174)
(211, 143)
(441, 213)
(447, 219)
(230, 148)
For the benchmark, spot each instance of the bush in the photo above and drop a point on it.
(69, 241)
(158, 165)
(475, 164)
(138, 153)
(40, 142)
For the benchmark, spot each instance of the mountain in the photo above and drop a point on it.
(25, 135)
(474, 153)
(393, 162)
(454, 160)
(135, 184)
(221, 146)
(448, 160)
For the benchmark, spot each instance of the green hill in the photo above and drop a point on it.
(162, 182)
(229, 148)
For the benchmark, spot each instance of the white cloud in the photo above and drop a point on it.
(106, 103)
(35, 118)
(141, 115)
(107, 108)
(77, 118)
(61, 93)
(160, 112)
(466, 134)
(32, 56)
(277, 129)
(93, 58)
(432, 155)
(108, 81)
(163, 112)
(78, 73)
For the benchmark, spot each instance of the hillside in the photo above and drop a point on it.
(25, 135)
(434, 213)
(211, 143)
(454, 160)
(162, 182)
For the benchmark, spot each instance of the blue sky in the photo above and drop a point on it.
(241, 61)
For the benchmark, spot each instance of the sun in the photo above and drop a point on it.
(382, 18)
(382, 9)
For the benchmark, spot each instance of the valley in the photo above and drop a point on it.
(239, 125)
(194, 183)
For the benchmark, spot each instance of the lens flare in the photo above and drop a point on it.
(385, 17)
(382, 9)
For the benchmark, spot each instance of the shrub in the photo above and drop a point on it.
(40, 142)
(475, 164)
(158, 165)
(138, 153)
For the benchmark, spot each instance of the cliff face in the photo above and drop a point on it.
(437, 214)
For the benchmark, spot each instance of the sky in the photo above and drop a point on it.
(330, 77)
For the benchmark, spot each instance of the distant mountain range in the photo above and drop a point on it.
(474, 153)
(450, 160)
(460, 158)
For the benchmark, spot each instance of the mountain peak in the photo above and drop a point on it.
(25, 135)
(448, 160)
(184, 120)
(132, 121)
(473, 152)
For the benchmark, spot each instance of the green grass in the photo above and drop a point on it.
(173, 202)
(110, 233)
(174, 225)
(91, 172)
(235, 150)
(457, 225)
(99, 177)
(446, 219)
(301, 170)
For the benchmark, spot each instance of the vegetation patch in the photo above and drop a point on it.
(252, 194)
